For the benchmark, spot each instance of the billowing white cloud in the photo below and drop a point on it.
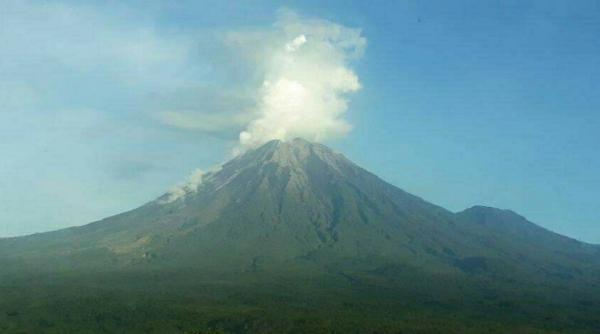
(295, 44)
(306, 78)
(291, 79)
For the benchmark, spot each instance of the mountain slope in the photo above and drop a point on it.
(296, 200)
(298, 216)
(540, 251)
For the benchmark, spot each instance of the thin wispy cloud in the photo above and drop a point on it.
(44, 39)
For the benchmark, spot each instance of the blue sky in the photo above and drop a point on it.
(105, 106)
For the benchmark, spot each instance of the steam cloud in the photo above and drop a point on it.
(305, 75)
(190, 186)
(307, 78)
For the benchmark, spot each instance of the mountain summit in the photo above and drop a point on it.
(300, 202)
(295, 213)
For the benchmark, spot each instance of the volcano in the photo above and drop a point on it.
(294, 237)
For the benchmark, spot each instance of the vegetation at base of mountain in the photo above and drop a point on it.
(188, 302)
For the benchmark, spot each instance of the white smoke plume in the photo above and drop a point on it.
(304, 66)
(307, 78)
(190, 186)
